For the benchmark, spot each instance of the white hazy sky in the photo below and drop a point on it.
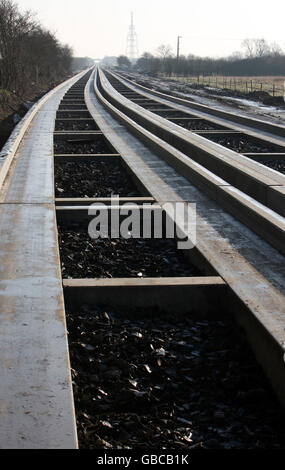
(209, 27)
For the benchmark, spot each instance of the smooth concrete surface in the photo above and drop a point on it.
(36, 399)
(199, 296)
(101, 200)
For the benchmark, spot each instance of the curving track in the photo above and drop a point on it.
(106, 136)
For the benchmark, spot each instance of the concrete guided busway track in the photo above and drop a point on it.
(115, 293)
(36, 402)
(253, 269)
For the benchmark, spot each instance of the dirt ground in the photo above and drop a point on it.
(256, 105)
(272, 85)
(13, 107)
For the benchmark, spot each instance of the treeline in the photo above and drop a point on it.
(267, 65)
(259, 58)
(80, 63)
(29, 53)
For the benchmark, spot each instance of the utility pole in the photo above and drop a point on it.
(178, 48)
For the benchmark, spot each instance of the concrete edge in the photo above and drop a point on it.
(235, 117)
(10, 148)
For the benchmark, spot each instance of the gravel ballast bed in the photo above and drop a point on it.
(171, 114)
(242, 144)
(93, 179)
(81, 146)
(154, 380)
(198, 125)
(73, 115)
(63, 106)
(278, 165)
(76, 126)
(83, 257)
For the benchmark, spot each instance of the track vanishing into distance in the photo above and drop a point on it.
(116, 343)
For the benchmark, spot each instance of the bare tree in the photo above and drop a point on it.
(257, 47)
(261, 58)
(29, 52)
(276, 50)
(249, 46)
(14, 27)
(164, 51)
(262, 48)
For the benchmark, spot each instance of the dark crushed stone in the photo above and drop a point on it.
(75, 126)
(152, 380)
(86, 146)
(198, 125)
(153, 107)
(83, 257)
(171, 114)
(278, 165)
(73, 101)
(74, 106)
(73, 115)
(242, 144)
(93, 179)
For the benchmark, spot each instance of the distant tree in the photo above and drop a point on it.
(257, 47)
(30, 53)
(262, 48)
(276, 50)
(237, 55)
(260, 58)
(123, 60)
(164, 51)
(165, 54)
(80, 63)
(249, 46)
(143, 63)
(14, 29)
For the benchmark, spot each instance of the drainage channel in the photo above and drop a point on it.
(222, 135)
(157, 360)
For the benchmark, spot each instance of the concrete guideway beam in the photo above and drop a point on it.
(36, 400)
(262, 125)
(242, 206)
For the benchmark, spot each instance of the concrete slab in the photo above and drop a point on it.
(36, 399)
(189, 295)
